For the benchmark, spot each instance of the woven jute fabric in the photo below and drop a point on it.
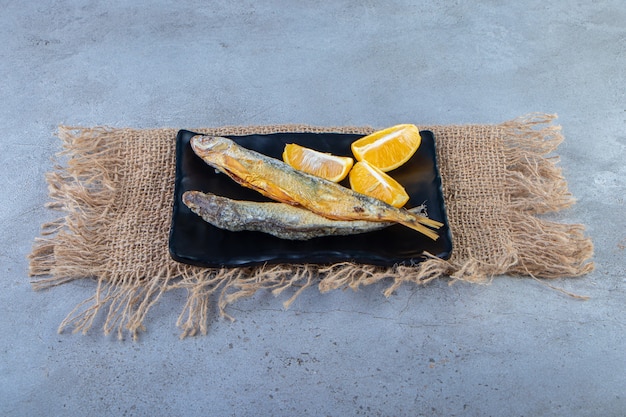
(115, 187)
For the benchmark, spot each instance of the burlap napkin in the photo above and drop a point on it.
(115, 189)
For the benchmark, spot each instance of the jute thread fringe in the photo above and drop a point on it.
(115, 187)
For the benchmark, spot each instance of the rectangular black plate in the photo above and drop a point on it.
(193, 241)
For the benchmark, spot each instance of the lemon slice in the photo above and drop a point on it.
(369, 180)
(389, 148)
(331, 167)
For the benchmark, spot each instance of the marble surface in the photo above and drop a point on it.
(514, 347)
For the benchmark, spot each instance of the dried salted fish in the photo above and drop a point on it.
(280, 182)
(278, 219)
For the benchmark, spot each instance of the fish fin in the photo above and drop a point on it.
(277, 194)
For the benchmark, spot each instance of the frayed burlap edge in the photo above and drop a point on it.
(70, 247)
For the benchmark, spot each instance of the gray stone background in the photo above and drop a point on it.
(512, 348)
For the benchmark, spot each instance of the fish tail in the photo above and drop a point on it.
(415, 225)
(428, 222)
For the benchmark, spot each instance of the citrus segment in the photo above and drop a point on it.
(331, 167)
(389, 148)
(369, 180)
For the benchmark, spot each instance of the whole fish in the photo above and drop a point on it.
(278, 219)
(280, 182)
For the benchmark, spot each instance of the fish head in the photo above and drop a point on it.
(190, 198)
(220, 153)
(205, 145)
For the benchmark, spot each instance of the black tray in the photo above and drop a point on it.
(193, 241)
